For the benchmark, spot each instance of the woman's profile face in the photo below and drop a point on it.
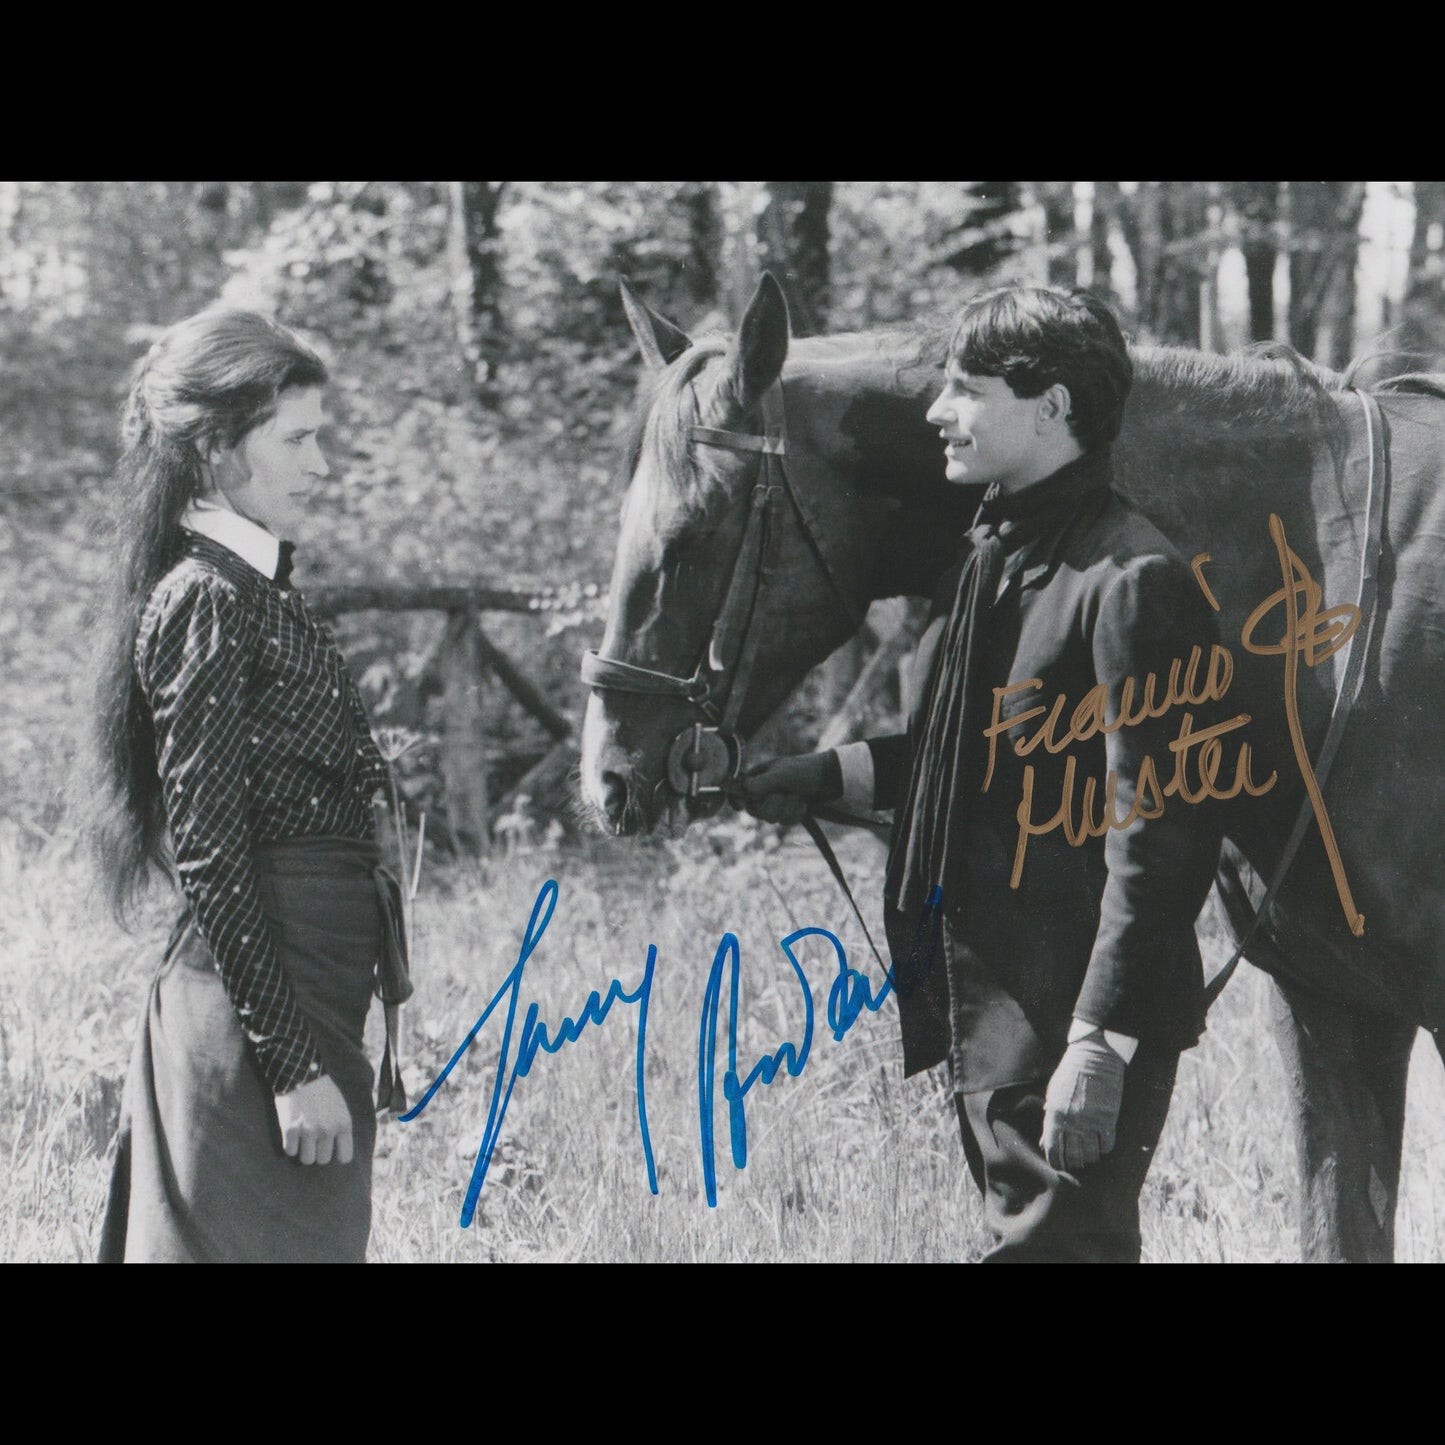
(270, 476)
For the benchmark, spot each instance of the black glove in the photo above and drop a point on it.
(1081, 1107)
(783, 790)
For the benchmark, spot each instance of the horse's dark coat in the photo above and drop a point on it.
(1211, 447)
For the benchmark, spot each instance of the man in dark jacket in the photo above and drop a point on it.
(1051, 848)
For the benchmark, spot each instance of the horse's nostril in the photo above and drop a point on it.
(614, 796)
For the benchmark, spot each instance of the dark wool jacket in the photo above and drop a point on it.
(1105, 930)
(260, 735)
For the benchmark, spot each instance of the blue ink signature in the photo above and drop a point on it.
(534, 1037)
(850, 996)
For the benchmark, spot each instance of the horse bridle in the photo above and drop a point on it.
(706, 756)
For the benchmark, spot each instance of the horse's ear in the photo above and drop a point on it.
(757, 356)
(659, 340)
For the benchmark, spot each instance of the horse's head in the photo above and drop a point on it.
(724, 591)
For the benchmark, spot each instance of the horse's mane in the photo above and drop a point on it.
(1416, 383)
(1270, 391)
(1269, 385)
(664, 414)
(1266, 391)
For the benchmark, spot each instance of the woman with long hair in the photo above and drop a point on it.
(234, 754)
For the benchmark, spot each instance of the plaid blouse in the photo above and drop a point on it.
(260, 735)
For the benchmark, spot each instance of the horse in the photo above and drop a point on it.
(1258, 467)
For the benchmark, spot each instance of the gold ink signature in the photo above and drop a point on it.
(1315, 636)
(1309, 632)
(1149, 795)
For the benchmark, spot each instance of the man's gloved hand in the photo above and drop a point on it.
(782, 791)
(1081, 1107)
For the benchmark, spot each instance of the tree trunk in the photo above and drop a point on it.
(1145, 233)
(270, 198)
(792, 242)
(1419, 314)
(1342, 296)
(1425, 250)
(1257, 203)
(464, 770)
(1106, 206)
(1184, 223)
(476, 280)
(983, 238)
(11, 201)
(1310, 206)
(704, 242)
(1167, 232)
(1211, 336)
(1057, 200)
(1325, 226)
(213, 204)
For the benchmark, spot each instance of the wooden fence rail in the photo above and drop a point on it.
(385, 597)
(464, 654)
(456, 668)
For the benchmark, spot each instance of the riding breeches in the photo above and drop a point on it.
(1044, 1216)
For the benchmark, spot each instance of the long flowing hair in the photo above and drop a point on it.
(207, 381)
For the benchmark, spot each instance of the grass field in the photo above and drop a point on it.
(847, 1161)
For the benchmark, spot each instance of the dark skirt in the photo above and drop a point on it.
(200, 1174)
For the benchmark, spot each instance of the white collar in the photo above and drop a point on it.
(251, 543)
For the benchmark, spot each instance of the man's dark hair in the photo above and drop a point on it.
(1036, 336)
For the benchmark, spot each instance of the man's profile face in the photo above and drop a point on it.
(990, 434)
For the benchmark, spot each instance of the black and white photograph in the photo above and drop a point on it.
(722, 721)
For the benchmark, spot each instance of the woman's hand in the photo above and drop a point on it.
(783, 790)
(315, 1123)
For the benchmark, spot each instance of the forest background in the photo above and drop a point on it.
(484, 378)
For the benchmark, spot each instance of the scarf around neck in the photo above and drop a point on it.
(929, 834)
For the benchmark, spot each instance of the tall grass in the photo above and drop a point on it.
(848, 1161)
